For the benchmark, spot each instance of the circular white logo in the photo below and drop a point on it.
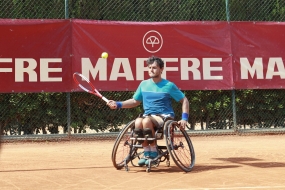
(152, 41)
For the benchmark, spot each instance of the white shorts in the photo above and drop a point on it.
(158, 120)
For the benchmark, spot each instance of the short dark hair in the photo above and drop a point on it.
(153, 59)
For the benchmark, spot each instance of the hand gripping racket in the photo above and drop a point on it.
(87, 86)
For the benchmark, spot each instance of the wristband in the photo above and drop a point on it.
(185, 116)
(119, 105)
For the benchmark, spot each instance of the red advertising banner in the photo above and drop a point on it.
(35, 55)
(42, 55)
(196, 54)
(258, 55)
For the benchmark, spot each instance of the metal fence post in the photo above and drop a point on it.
(227, 10)
(68, 93)
(66, 9)
(68, 113)
(234, 109)
(233, 91)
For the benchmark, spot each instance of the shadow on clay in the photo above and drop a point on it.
(159, 170)
(176, 169)
(254, 162)
(51, 169)
(203, 168)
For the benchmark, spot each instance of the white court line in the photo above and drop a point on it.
(231, 188)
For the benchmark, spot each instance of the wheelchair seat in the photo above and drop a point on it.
(159, 129)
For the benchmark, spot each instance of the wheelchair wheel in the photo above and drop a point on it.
(179, 146)
(123, 149)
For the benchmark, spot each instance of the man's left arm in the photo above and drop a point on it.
(185, 112)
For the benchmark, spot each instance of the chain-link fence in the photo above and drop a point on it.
(215, 111)
(146, 10)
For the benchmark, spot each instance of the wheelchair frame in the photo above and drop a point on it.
(178, 145)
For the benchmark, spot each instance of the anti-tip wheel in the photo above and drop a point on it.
(167, 163)
(127, 168)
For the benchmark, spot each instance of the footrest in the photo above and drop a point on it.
(161, 147)
(134, 138)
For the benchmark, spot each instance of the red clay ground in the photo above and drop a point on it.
(222, 163)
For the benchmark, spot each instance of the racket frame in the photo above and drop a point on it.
(93, 91)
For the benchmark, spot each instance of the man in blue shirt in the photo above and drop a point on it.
(155, 94)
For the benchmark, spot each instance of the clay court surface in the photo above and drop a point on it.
(222, 163)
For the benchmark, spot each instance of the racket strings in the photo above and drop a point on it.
(82, 83)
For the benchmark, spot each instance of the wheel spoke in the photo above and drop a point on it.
(180, 147)
(122, 147)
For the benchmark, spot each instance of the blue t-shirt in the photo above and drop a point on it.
(156, 97)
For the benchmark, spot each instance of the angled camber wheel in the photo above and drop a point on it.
(179, 146)
(124, 150)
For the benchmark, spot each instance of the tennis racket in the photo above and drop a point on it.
(87, 86)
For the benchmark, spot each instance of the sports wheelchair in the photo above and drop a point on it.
(127, 148)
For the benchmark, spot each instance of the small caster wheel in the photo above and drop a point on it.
(167, 163)
(147, 170)
(127, 169)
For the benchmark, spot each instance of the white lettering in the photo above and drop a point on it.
(45, 70)
(100, 67)
(141, 68)
(207, 69)
(127, 72)
(168, 68)
(30, 69)
(271, 68)
(194, 68)
(257, 68)
(6, 60)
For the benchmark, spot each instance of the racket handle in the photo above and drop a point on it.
(105, 99)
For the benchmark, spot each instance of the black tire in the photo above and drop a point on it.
(179, 146)
(123, 146)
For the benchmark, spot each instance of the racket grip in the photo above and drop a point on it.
(105, 99)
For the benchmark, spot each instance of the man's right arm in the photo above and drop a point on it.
(130, 103)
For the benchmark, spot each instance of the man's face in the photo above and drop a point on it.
(154, 70)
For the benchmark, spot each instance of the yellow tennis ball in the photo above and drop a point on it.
(104, 55)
